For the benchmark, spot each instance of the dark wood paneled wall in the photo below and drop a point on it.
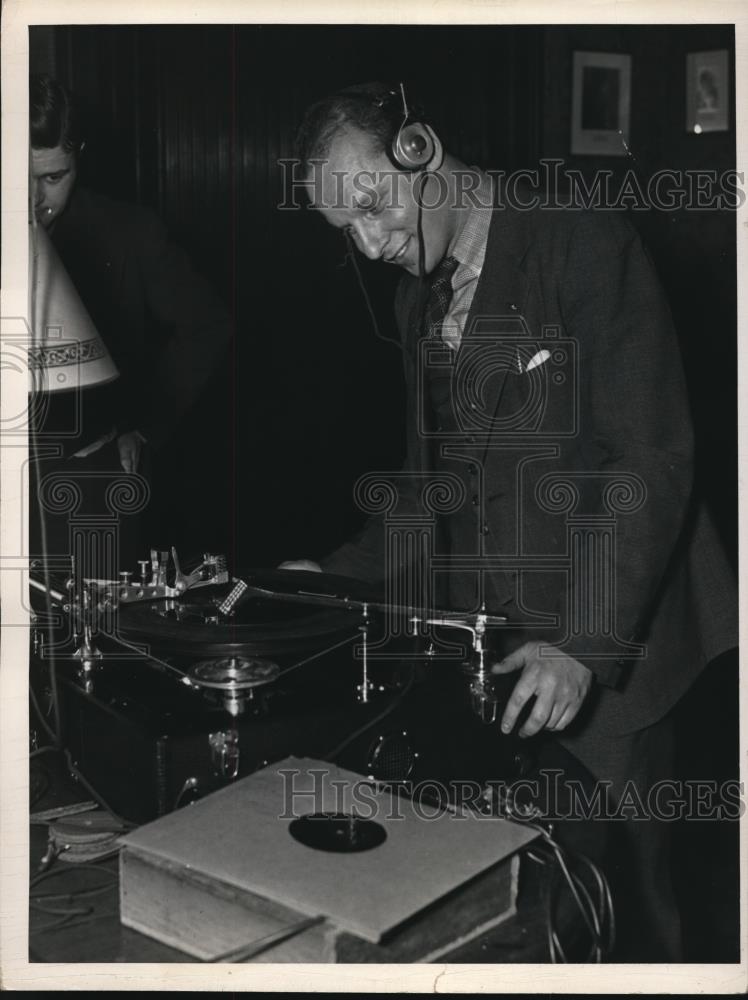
(192, 121)
(694, 249)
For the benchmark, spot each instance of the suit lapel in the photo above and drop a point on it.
(503, 283)
(495, 320)
(495, 316)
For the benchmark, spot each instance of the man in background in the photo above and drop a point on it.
(165, 328)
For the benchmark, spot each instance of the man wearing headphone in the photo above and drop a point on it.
(519, 305)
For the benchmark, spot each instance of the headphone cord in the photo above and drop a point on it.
(350, 256)
(421, 297)
(420, 181)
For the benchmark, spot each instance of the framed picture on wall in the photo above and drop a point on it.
(707, 92)
(600, 103)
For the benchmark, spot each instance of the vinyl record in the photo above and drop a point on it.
(261, 624)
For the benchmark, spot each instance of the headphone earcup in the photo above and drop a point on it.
(413, 147)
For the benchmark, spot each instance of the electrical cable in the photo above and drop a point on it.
(36, 466)
(350, 256)
(41, 750)
(154, 659)
(97, 890)
(316, 656)
(592, 924)
(605, 897)
(43, 902)
(94, 794)
(62, 922)
(597, 914)
(377, 718)
(70, 911)
(75, 916)
(421, 297)
(45, 725)
(592, 910)
(588, 910)
(38, 780)
(78, 866)
(558, 949)
(604, 909)
(555, 948)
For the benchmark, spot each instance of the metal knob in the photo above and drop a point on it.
(483, 701)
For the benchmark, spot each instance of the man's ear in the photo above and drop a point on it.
(81, 148)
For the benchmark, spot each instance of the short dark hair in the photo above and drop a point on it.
(374, 108)
(54, 117)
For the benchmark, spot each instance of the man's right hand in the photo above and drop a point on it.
(307, 564)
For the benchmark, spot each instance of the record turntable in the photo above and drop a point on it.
(172, 685)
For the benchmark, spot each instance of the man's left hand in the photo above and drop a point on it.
(559, 683)
(130, 445)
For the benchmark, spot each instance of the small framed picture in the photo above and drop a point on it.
(600, 103)
(707, 92)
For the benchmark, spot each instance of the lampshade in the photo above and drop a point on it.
(66, 350)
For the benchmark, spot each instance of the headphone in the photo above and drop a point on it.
(412, 145)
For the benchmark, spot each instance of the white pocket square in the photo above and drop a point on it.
(538, 359)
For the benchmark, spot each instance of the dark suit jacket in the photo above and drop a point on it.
(164, 326)
(600, 432)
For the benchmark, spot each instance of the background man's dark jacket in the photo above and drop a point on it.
(164, 326)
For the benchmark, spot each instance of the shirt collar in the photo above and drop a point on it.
(470, 248)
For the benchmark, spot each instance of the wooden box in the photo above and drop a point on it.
(224, 876)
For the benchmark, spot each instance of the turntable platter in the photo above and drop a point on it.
(233, 673)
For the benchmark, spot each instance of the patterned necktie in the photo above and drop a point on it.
(440, 297)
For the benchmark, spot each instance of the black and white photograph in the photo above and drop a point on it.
(601, 103)
(708, 91)
(369, 453)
